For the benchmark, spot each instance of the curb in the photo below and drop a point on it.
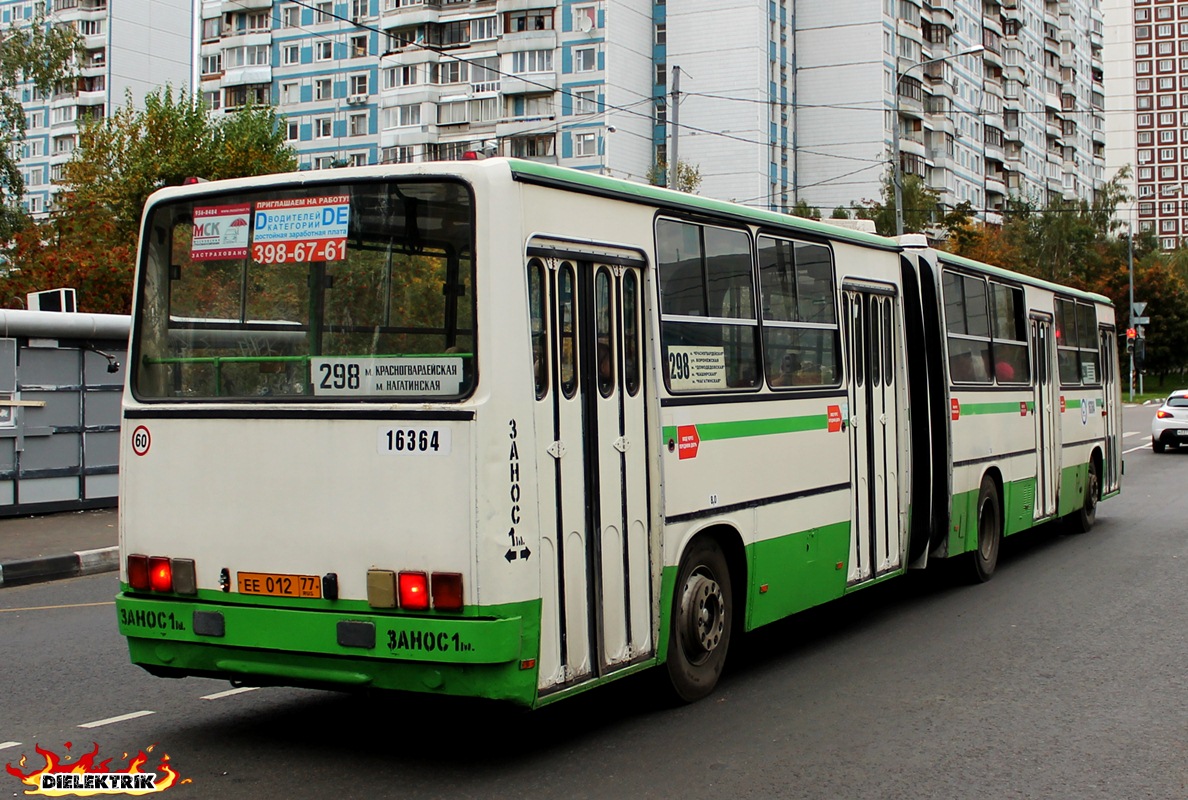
(50, 568)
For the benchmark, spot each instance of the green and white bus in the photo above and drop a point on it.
(506, 430)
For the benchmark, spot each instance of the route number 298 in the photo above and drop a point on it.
(413, 441)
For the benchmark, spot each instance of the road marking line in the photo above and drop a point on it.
(1140, 447)
(6, 745)
(50, 608)
(112, 720)
(1132, 433)
(229, 692)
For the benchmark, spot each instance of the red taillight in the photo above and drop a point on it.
(447, 591)
(160, 574)
(1163, 414)
(138, 572)
(414, 591)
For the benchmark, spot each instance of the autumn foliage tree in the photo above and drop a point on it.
(90, 240)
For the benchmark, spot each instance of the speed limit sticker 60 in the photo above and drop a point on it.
(141, 440)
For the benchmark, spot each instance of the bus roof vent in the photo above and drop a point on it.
(913, 240)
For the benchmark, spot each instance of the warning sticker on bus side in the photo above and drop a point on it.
(393, 377)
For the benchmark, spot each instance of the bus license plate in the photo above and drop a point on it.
(276, 585)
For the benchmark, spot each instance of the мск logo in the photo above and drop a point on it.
(64, 776)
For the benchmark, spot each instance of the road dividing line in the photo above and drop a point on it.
(229, 692)
(112, 720)
(1131, 433)
(1140, 447)
(6, 745)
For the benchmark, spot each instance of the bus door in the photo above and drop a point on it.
(596, 586)
(873, 355)
(1047, 450)
(1111, 468)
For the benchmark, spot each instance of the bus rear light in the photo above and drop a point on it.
(447, 591)
(160, 574)
(138, 572)
(185, 578)
(381, 588)
(414, 591)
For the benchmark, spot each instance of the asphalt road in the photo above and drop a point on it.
(1063, 677)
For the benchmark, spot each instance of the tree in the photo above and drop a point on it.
(124, 158)
(33, 56)
(803, 209)
(840, 213)
(920, 205)
(688, 176)
(89, 242)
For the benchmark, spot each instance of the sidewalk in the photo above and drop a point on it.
(63, 545)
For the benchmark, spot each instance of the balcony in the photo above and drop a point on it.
(531, 83)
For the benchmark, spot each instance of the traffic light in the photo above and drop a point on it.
(1140, 353)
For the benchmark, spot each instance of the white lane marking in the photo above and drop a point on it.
(229, 692)
(1140, 447)
(112, 720)
(6, 745)
(1132, 433)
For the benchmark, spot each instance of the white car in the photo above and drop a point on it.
(1170, 425)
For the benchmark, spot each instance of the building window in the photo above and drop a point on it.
(484, 29)
(358, 159)
(211, 29)
(323, 127)
(402, 116)
(325, 13)
(397, 155)
(521, 21)
(290, 16)
(323, 162)
(357, 84)
(585, 18)
(357, 125)
(212, 65)
(290, 92)
(585, 101)
(212, 101)
(585, 59)
(359, 10)
(323, 89)
(661, 34)
(323, 51)
(531, 61)
(292, 131)
(291, 54)
(452, 113)
(358, 46)
(585, 144)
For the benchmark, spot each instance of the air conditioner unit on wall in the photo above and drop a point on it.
(356, 100)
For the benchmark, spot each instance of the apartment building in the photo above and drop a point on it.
(780, 101)
(391, 81)
(1147, 94)
(992, 99)
(130, 46)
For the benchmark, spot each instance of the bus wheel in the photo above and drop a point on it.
(702, 612)
(1081, 521)
(985, 557)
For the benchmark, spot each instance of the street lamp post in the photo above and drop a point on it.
(896, 168)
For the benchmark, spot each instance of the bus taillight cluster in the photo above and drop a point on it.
(414, 591)
(162, 574)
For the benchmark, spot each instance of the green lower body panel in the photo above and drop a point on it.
(795, 572)
(491, 656)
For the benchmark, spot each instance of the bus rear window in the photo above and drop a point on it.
(320, 291)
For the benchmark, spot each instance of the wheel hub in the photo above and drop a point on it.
(703, 610)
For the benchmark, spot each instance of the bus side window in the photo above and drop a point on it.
(631, 369)
(568, 330)
(537, 303)
(602, 325)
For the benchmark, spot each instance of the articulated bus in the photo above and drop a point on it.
(506, 430)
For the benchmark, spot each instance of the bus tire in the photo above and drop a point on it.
(989, 520)
(702, 621)
(1082, 520)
